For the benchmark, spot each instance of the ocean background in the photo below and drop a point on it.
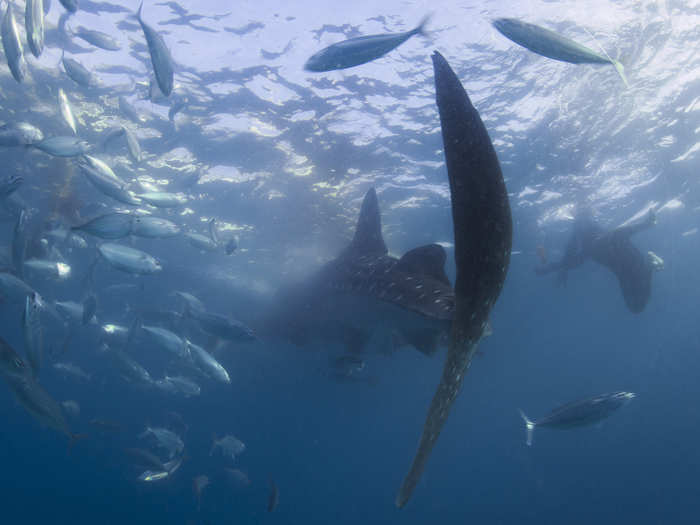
(282, 158)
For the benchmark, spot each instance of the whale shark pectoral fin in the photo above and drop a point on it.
(368, 238)
(427, 260)
(483, 238)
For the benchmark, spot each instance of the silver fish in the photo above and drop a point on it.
(65, 108)
(53, 269)
(63, 146)
(154, 227)
(13, 289)
(97, 39)
(579, 413)
(129, 259)
(19, 134)
(128, 110)
(179, 385)
(359, 50)
(33, 333)
(208, 364)
(168, 340)
(221, 326)
(202, 242)
(72, 370)
(101, 167)
(160, 56)
(34, 24)
(132, 144)
(109, 226)
(162, 199)
(229, 446)
(166, 439)
(552, 45)
(77, 72)
(112, 187)
(13, 45)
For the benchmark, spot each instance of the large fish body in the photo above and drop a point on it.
(552, 45)
(112, 187)
(160, 56)
(208, 364)
(129, 259)
(168, 340)
(483, 232)
(579, 413)
(63, 146)
(13, 45)
(360, 50)
(34, 24)
(364, 291)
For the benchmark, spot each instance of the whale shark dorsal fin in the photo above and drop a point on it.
(426, 260)
(368, 238)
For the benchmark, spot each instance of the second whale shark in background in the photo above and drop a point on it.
(552, 45)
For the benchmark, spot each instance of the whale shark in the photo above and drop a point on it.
(365, 290)
(483, 230)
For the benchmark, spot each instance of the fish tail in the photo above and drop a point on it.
(529, 428)
(420, 30)
(620, 71)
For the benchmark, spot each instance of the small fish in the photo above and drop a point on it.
(129, 369)
(77, 72)
(153, 227)
(160, 56)
(97, 39)
(128, 110)
(70, 309)
(578, 413)
(151, 475)
(132, 144)
(34, 24)
(65, 108)
(72, 370)
(178, 385)
(202, 242)
(168, 340)
(191, 301)
(208, 364)
(360, 50)
(552, 45)
(63, 146)
(273, 498)
(33, 333)
(109, 186)
(13, 45)
(229, 446)
(101, 168)
(128, 259)
(19, 134)
(70, 5)
(221, 326)
(52, 269)
(162, 199)
(110, 226)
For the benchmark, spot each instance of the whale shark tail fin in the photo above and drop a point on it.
(529, 428)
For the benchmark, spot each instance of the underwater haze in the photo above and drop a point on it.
(181, 375)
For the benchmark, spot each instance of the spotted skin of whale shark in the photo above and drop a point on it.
(365, 290)
(483, 238)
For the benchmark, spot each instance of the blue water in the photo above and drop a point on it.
(282, 158)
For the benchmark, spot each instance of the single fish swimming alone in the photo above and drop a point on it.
(160, 56)
(552, 45)
(359, 50)
(579, 413)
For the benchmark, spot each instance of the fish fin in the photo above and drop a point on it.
(529, 428)
(420, 30)
(620, 71)
(427, 260)
(138, 13)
